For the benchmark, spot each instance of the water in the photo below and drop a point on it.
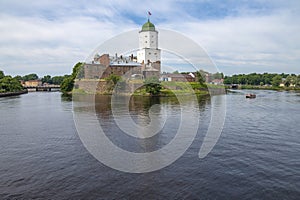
(256, 156)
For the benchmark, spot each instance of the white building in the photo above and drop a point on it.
(148, 45)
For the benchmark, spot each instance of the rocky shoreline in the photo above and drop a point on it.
(8, 94)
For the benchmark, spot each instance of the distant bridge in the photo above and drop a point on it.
(42, 87)
(232, 86)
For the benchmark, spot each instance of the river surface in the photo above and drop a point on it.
(257, 156)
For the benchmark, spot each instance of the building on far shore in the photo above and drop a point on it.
(31, 83)
(217, 81)
(145, 64)
(178, 77)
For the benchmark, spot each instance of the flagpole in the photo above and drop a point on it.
(149, 13)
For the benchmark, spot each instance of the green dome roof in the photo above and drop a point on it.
(148, 26)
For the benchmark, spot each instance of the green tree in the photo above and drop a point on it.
(57, 80)
(67, 84)
(257, 79)
(200, 77)
(242, 79)
(261, 83)
(235, 79)
(254, 79)
(267, 78)
(18, 77)
(218, 75)
(297, 83)
(30, 77)
(113, 79)
(276, 80)
(152, 86)
(288, 81)
(293, 79)
(47, 79)
(78, 71)
(227, 80)
(1, 74)
(283, 75)
(9, 84)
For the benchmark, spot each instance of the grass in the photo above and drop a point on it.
(79, 91)
(169, 88)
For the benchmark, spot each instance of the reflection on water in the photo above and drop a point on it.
(137, 128)
(66, 97)
(139, 108)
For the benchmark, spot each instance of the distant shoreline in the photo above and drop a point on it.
(257, 87)
(8, 94)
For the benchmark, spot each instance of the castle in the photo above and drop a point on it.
(147, 62)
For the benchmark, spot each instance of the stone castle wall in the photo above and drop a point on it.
(123, 70)
(102, 87)
(93, 71)
(89, 86)
(100, 71)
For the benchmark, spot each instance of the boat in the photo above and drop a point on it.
(250, 96)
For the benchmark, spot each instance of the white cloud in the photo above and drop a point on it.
(49, 37)
(27, 42)
(270, 42)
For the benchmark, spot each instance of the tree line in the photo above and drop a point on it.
(13, 84)
(9, 84)
(56, 80)
(264, 79)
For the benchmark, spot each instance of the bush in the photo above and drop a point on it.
(9, 84)
(67, 84)
(152, 86)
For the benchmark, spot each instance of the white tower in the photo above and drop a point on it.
(148, 44)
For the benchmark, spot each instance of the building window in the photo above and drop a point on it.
(145, 41)
(149, 53)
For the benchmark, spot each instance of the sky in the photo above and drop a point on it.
(49, 37)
